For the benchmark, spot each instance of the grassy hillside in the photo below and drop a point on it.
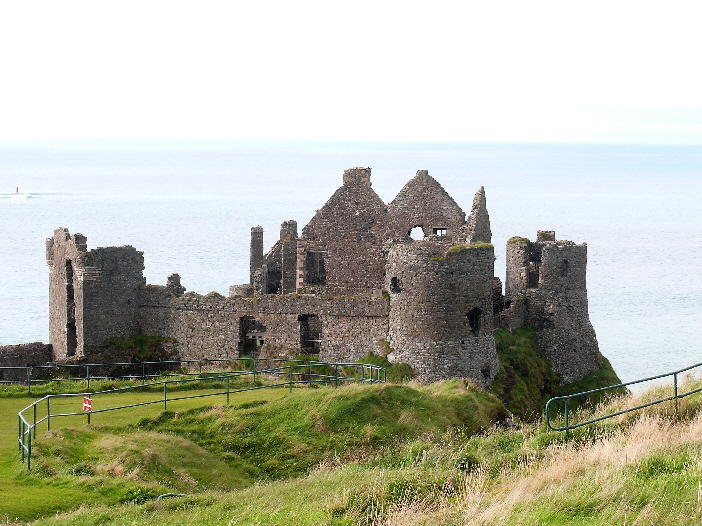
(380, 454)
(266, 438)
(636, 469)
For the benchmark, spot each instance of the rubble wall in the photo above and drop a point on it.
(22, 355)
(209, 327)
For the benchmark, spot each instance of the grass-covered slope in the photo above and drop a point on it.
(526, 379)
(634, 469)
(226, 448)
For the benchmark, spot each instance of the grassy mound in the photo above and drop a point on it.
(228, 448)
(526, 379)
(641, 468)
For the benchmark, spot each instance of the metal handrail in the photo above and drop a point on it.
(566, 400)
(27, 432)
(29, 378)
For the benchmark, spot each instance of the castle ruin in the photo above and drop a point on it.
(352, 282)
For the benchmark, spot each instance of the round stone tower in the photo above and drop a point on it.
(441, 310)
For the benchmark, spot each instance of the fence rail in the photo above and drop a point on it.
(87, 372)
(568, 425)
(288, 375)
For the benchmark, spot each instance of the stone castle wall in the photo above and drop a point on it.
(424, 203)
(93, 295)
(349, 232)
(209, 327)
(441, 310)
(546, 288)
(23, 355)
(320, 292)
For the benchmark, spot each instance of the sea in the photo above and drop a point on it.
(190, 206)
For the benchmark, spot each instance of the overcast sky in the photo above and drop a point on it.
(364, 70)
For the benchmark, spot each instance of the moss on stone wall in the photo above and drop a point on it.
(518, 239)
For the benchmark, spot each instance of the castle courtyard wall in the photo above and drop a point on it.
(208, 327)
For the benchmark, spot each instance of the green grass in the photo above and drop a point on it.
(380, 454)
(526, 380)
(29, 496)
(634, 470)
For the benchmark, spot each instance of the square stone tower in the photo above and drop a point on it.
(93, 295)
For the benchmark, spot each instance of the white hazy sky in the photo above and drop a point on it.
(596, 71)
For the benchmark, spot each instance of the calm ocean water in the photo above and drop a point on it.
(190, 207)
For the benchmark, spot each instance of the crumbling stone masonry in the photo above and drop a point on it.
(352, 282)
(22, 355)
(93, 295)
(546, 288)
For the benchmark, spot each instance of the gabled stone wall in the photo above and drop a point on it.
(424, 203)
(351, 229)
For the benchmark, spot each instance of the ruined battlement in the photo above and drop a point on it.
(546, 288)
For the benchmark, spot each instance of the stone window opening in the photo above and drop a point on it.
(486, 372)
(71, 330)
(395, 285)
(416, 233)
(310, 333)
(565, 268)
(474, 320)
(440, 232)
(251, 336)
(315, 271)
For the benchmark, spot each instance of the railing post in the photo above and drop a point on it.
(200, 362)
(20, 438)
(309, 378)
(336, 367)
(29, 380)
(291, 372)
(48, 413)
(87, 375)
(29, 451)
(675, 384)
(34, 424)
(567, 424)
(164, 395)
(143, 373)
(363, 374)
(228, 389)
